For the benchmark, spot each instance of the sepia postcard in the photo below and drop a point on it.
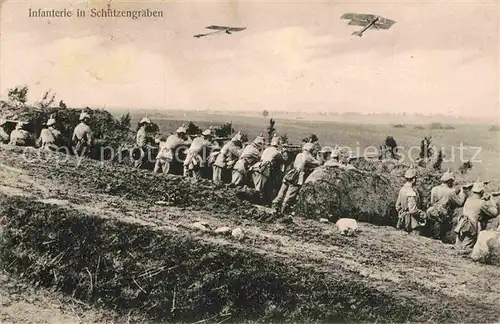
(226, 161)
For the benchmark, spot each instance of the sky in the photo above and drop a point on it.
(441, 57)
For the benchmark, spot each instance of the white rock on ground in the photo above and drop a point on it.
(237, 233)
(487, 248)
(347, 226)
(202, 226)
(223, 230)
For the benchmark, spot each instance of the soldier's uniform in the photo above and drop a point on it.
(411, 218)
(142, 141)
(82, 135)
(4, 137)
(268, 167)
(249, 156)
(444, 200)
(166, 152)
(227, 157)
(292, 182)
(20, 136)
(194, 160)
(475, 216)
(50, 138)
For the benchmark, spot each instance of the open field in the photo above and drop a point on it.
(95, 232)
(478, 143)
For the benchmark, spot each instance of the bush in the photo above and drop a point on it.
(436, 126)
(494, 128)
(398, 126)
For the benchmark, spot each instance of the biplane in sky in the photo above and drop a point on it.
(221, 29)
(367, 21)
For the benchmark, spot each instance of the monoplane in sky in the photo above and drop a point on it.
(221, 29)
(367, 21)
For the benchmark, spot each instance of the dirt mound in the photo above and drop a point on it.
(171, 275)
(366, 196)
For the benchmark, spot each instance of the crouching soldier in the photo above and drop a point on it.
(411, 218)
(82, 136)
(268, 169)
(20, 136)
(251, 154)
(303, 165)
(166, 152)
(4, 137)
(227, 157)
(475, 215)
(194, 160)
(50, 137)
(444, 200)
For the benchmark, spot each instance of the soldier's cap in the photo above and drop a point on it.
(84, 115)
(275, 141)
(410, 173)
(308, 147)
(259, 140)
(207, 132)
(335, 153)
(478, 187)
(447, 176)
(51, 122)
(237, 137)
(181, 130)
(145, 120)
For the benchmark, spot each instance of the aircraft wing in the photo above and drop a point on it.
(237, 29)
(384, 23)
(358, 23)
(359, 17)
(217, 27)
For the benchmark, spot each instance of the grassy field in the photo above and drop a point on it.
(473, 142)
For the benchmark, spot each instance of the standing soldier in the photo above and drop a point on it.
(227, 157)
(304, 163)
(82, 135)
(249, 156)
(166, 152)
(4, 137)
(268, 168)
(50, 137)
(143, 142)
(194, 160)
(411, 218)
(476, 213)
(20, 136)
(444, 200)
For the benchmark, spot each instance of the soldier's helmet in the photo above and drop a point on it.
(447, 176)
(145, 120)
(237, 137)
(259, 140)
(478, 187)
(181, 130)
(410, 173)
(84, 115)
(207, 132)
(308, 147)
(275, 141)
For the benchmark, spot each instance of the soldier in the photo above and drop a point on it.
(324, 155)
(82, 135)
(334, 160)
(444, 200)
(227, 157)
(249, 156)
(477, 210)
(166, 152)
(268, 168)
(4, 137)
(50, 137)
(20, 136)
(193, 161)
(304, 163)
(143, 140)
(411, 218)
